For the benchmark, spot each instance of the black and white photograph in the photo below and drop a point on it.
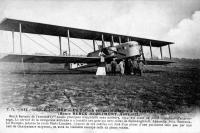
(100, 66)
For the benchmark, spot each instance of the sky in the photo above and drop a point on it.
(176, 21)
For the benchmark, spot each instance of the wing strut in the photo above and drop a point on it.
(142, 52)
(151, 50)
(112, 41)
(161, 53)
(68, 36)
(103, 43)
(120, 40)
(13, 41)
(94, 45)
(169, 51)
(60, 45)
(20, 36)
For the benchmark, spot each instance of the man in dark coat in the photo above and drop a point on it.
(130, 66)
(113, 66)
(135, 66)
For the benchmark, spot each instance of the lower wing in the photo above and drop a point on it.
(157, 62)
(48, 59)
(150, 62)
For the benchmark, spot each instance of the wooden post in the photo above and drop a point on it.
(20, 37)
(68, 36)
(60, 45)
(103, 43)
(161, 53)
(151, 51)
(13, 41)
(112, 41)
(94, 45)
(119, 40)
(169, 52)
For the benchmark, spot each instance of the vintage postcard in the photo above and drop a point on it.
(100, 66)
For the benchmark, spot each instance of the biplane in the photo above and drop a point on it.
(128, 46)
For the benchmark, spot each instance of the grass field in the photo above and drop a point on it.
(175, 87)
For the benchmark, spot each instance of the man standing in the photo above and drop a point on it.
(135, 66)
(102, 57)
(130, 66)
(101, 70)
(113, 66)
(126, 67)
(140, 67)
(122, 66)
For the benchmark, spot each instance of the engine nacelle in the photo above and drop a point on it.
(129, 48)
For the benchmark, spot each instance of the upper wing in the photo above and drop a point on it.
(55, 30)
(48, 59)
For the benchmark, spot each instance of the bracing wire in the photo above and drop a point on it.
(78, 47)
(39, 44)
(70, 41)
(96, 43)
(87, 43)
(49, 42)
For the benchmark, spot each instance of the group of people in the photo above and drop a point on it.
(128, 67)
